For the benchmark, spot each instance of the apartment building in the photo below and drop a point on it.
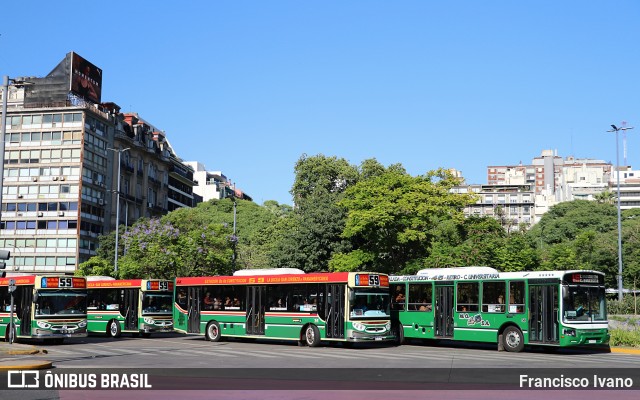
(62, 147)
(511, 205)
(214, 184)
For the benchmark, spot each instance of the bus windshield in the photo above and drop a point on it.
(157, 303)
(58, 303)
(368, 303)
(584, 303)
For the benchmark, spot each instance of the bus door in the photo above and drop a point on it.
(444, 309)
(25, 304)
(130, 309)
(334, 307)
(256, 302)
(543, 305)
(194, 293)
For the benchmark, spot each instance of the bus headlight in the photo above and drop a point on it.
(148, 321)
(44, 325)
(358, 326)
(82, 324)
(387, 326)
(570, 332)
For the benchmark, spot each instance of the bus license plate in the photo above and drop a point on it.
(378, 338)
(592, 340)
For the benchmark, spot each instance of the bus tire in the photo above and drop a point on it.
(399, 333)
(113, 329)
(146, 335)
(312, 336)
(213, 333)
(513, 339)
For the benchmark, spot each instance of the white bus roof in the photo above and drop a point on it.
(100, 278)
(457, 271)
(268, 271)
(481, 273)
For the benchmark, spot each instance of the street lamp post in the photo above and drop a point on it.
(616, 130)
(115, 257)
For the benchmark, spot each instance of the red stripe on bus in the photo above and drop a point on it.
(264, 279)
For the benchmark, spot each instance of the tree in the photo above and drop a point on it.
(391, 217)
(313, 232)
(96, 266)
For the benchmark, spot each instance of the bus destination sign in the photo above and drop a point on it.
(160, 285)
(62, 282)
(585, 278)
(372, 280)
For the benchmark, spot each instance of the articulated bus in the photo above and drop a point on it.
(136, 306)
(44, 307)
(512, 309)
(285, 304)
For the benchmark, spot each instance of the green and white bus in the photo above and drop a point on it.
(44, 307)
(512, 309)
(136, 306)
(285, 304)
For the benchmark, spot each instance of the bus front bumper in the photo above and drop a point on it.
(355, 336)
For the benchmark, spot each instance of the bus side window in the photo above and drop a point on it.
(467, 299)
(516, 297)
(398, 298)
(493, 297)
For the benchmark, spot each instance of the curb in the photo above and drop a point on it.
(28, 365)
(18, 352)
(625, 350)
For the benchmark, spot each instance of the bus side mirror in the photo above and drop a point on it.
(352, 296)
(565, 293)
(35, 297)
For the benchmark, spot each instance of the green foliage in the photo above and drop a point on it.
(516, 255)
(320, 175)
(625, 337)
(391, 215)
(152, 250)
(96, 266)
(312, 233)
(630, 305)
(370, 217)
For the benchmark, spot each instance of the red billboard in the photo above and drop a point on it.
(86, 79)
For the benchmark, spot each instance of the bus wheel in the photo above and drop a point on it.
(113, 329)
(146, 335)
(399, 334)
(213, 332)
(312, 336)
(512, 339)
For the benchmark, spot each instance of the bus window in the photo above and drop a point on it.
(398, 298)
(467, 297)
(493, 297)
(516, 297)
(419, 297)
(277, 298)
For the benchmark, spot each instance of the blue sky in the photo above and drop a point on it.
(247, 87)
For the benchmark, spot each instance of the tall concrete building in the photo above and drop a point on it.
(62, 146)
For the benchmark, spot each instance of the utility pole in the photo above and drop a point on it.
(616, 130)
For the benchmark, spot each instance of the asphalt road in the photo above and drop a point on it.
(190, 367)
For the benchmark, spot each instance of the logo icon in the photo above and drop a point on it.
(23, 379)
